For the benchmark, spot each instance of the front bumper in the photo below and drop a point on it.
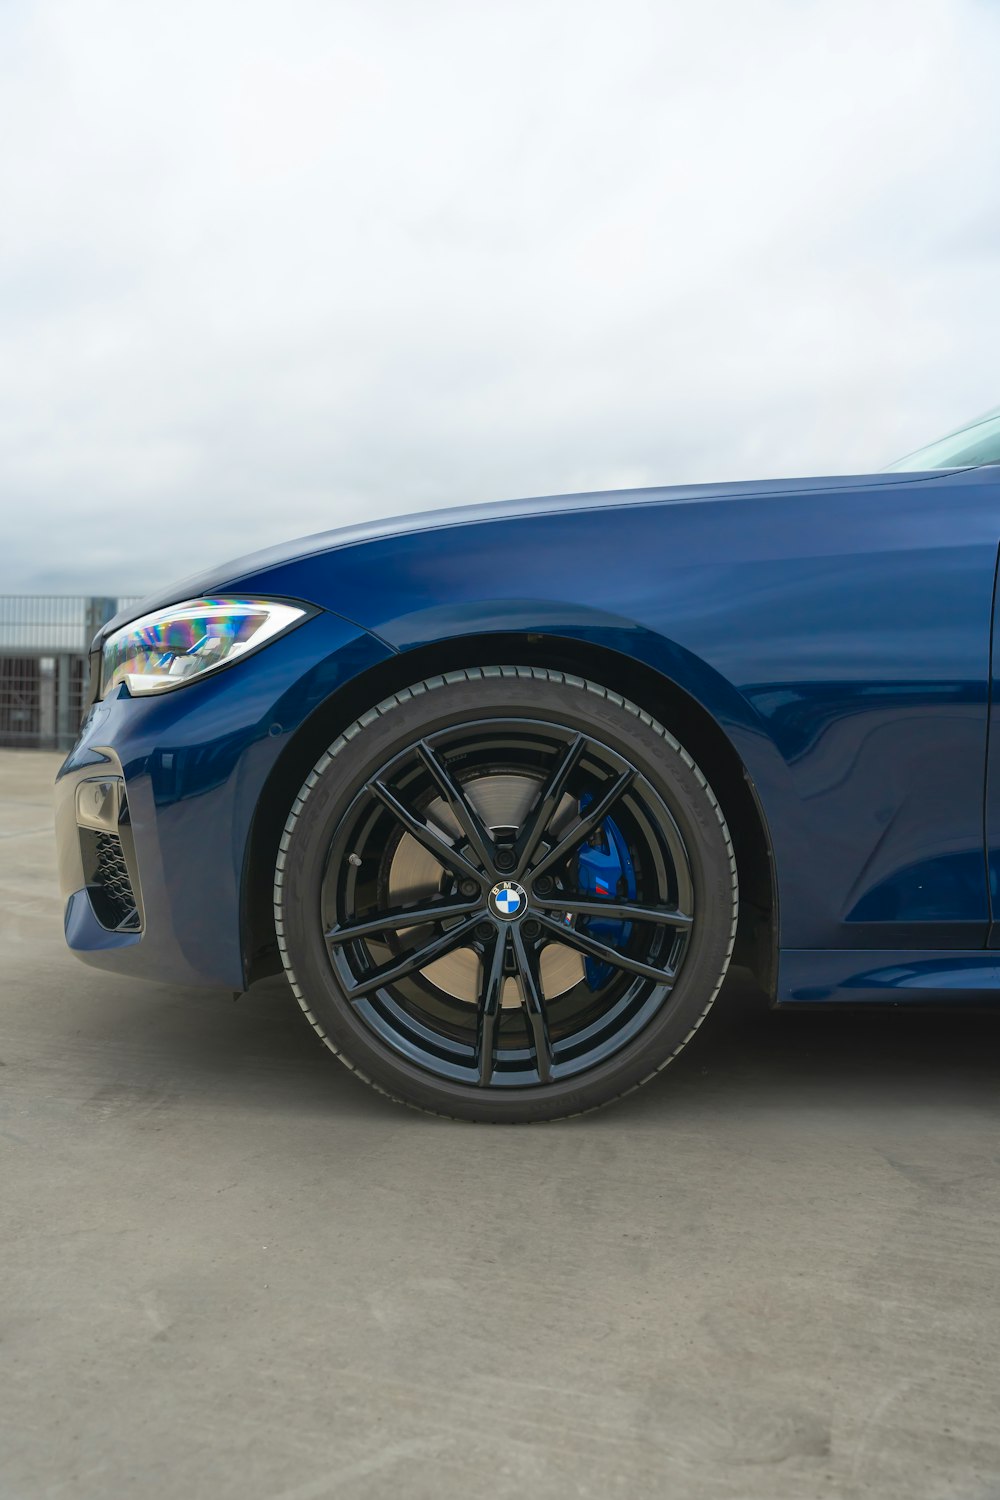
(98, 871)
(155, 805)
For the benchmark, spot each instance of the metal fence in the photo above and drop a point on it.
(44, 645)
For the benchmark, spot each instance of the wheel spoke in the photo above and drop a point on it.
(548, 801)
(595, 814)
(401, 916)
(424, 834)
(462, 808)
(418, 958)
(428, 962)
(626, 911)
(603, 951)
(534, 1005)
(488, 1021)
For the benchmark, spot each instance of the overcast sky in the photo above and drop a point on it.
(270, 268)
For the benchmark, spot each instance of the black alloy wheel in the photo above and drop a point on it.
(506, 894)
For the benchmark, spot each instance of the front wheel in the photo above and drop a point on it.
(506, 894)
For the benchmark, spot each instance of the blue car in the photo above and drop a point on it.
(505, 790)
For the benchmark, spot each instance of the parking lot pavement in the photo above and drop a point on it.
(229, 1270)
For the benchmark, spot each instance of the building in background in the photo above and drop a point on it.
(44, 645)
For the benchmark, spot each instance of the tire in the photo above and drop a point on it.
(543, 985)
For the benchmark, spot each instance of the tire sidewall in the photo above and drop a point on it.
(483, 694)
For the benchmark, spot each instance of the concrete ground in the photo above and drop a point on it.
(227, 1269)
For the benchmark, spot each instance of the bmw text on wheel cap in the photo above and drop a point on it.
(508, 900)
(505, 827)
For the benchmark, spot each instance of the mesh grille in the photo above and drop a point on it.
(112, 877)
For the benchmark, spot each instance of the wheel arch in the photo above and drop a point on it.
(659, 695)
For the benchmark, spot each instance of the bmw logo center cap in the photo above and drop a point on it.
(508, 899)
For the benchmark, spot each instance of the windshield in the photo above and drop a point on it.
(972, 445)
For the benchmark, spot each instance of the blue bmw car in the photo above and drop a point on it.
(505, 790)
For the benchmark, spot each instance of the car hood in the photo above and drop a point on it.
(240, 571)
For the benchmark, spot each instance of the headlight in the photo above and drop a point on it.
(172, 646)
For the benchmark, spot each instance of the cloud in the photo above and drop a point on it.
(268, 269)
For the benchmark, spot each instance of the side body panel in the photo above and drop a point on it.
(992, 791)
(840, 638)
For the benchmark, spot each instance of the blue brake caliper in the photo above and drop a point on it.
(604, 868)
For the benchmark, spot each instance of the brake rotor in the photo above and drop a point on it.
(502, 801)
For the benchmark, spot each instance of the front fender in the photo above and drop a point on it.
(841, 641)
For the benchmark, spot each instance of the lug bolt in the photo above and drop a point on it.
(468, 887)
(531, 928)
(484, 931)
(505, 859)
(543, 885)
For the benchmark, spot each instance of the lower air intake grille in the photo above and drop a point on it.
(115, 904)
